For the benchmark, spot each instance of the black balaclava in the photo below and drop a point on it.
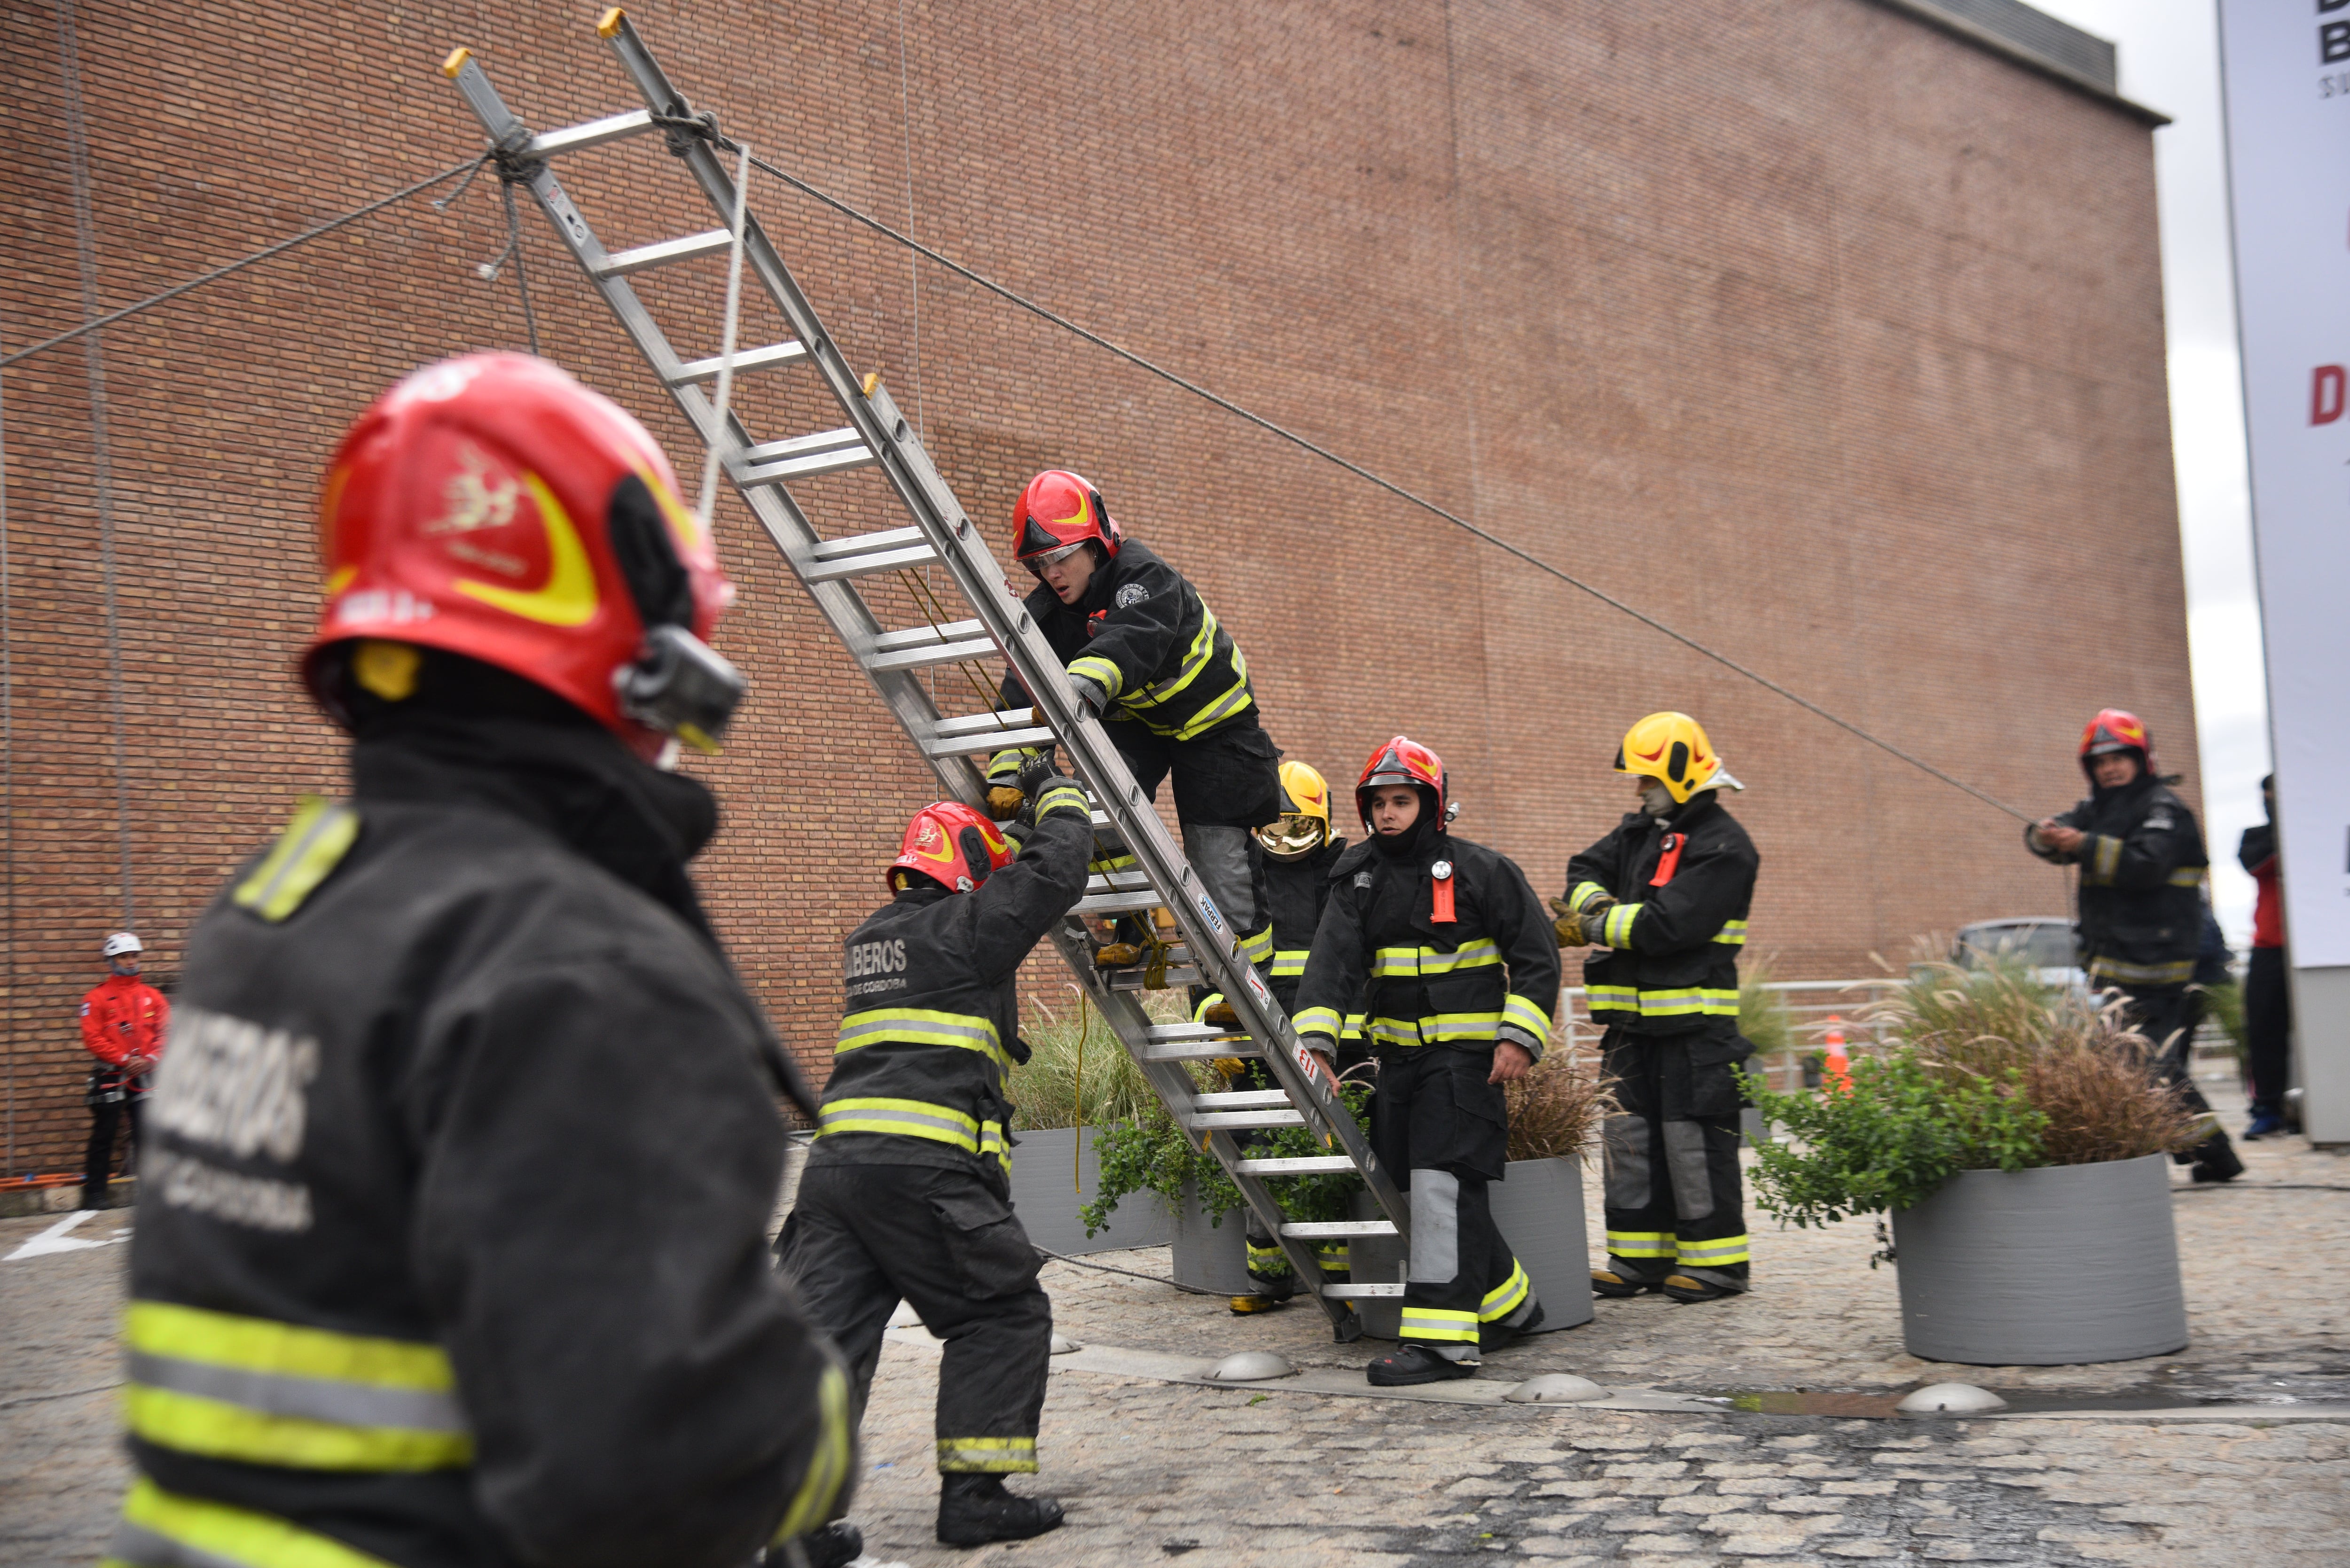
(1409, 844)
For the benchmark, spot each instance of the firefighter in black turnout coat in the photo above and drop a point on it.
(907, 1191)
(1443, 945)
(450, 1246)
(2142, 861)
(1664, 899)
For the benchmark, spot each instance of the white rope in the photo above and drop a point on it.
(709, 501)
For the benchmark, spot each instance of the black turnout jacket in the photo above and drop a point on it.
(2142, 868)
(1145, 637)
(933, 1010)
(1489, 973)
(450, 1242)
(1295, 892)
(1683, 883)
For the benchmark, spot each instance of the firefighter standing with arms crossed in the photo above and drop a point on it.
(1461, 977)
(1664, 897)
(907, 1191)
(2142, 863)
(452, 1248)
(1147, 654)
(122, 1023)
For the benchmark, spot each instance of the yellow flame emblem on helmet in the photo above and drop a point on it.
(569, 597)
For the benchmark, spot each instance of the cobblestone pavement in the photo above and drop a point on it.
(1156, 1471)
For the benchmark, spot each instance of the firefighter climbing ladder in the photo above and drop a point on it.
(942, 535)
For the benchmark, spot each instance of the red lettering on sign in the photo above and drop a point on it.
(2325, 399)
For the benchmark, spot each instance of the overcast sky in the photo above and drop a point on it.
(2170, 61)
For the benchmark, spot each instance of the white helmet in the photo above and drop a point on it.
(122, 942)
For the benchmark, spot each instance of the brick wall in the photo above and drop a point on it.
(1822, 335)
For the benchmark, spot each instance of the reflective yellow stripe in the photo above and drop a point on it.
(1616, 929)
(165, 1529)
(1199, 1013)
(1257, 946)
(1216, 713)
(1714, 1253)
(1103, 672)
(1584, 893)
(312, 844)
(828, 1466)
(2104, 854)
(922, 1026)
(1288, 963)
(902, 1119)
(2121, 973)
(992, 1455)
(1435, 1028)
(1523, 1012)
(1508, 1296)
(267, 1392)
(1612, 999)
(1332, 1257)
(2186, 877)
(1641, 1244)
(1732, 934)
(1062, 797)
(1318, 1020)
(1712, 1000)
(1390, 962)
(991, 1143)
(1439, 1324)
(1196, 658)
(1004, 767)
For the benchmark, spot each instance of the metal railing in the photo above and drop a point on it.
(1810, 1006)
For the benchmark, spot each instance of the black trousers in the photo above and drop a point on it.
(98, 1159)
(2268, 1029)
(2167, 1015)
(1443, 1131)
(862, 1236)
(1675, 1198)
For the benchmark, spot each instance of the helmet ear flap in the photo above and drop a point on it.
(646, 556)
(973, 844)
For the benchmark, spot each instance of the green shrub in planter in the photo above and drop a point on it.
(1150, 1153)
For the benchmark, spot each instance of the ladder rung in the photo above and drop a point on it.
(800, 446)
(862, 553)
(1092, 903)
(1304, 1164)
(1169, 1033)
(665, 251)
(772, 354)
(1210, 1121)
(1205, 1050)
(1240, 1100)
(1303, 1229)
(924, 646)
(1117, 882)
(1361, 1293)
(973, 733)
(595, 133)
(831, 460)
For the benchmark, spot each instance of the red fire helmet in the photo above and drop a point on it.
(2115, 731)
(1403, 761)
(1058, 511)
(492, 507)
(953, 845)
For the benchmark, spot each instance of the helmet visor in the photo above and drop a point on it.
(1287, 837)
(1044, 558)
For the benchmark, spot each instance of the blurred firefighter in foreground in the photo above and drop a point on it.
(2140, 853)
(1296, 851)
(1462, 977)
(1173, 688)
(1664, 899)
(452, 1252)
(122, 1023)
(907, 1193)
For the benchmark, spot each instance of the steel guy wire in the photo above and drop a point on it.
(102, 465)
(278, 247)
(1392, 488)
(522, 273)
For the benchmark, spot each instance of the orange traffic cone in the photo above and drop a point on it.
(1836, 1067)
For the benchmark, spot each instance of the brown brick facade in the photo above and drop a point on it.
(1822, 335)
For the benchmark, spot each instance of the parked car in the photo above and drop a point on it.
(2043, 941)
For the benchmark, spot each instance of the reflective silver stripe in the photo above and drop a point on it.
(137, 1545)
(313, 1398)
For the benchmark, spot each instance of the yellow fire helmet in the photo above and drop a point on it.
(1303, 824)
(1671, 749)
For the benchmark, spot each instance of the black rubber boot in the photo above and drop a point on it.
(836, 1545)
(1687, 1289)
(1416, 1364)
(974, 1510)
(2216, 1159)
(1620, 1279)
(1494, 1335)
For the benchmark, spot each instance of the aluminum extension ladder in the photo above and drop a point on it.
(943, 534)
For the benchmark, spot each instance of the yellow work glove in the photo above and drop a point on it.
(1004, 801)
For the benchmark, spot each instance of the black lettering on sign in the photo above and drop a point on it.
(2334, 43)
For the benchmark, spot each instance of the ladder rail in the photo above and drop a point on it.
(956, 544)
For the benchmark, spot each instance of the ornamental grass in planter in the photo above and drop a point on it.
(2016, 1137)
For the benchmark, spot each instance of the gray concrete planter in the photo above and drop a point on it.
(1539, 1207)
(1046, 1197)
(2054, 1267)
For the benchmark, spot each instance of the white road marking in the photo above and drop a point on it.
(54, 1239)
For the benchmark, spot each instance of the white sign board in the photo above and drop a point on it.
(2285, 71)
